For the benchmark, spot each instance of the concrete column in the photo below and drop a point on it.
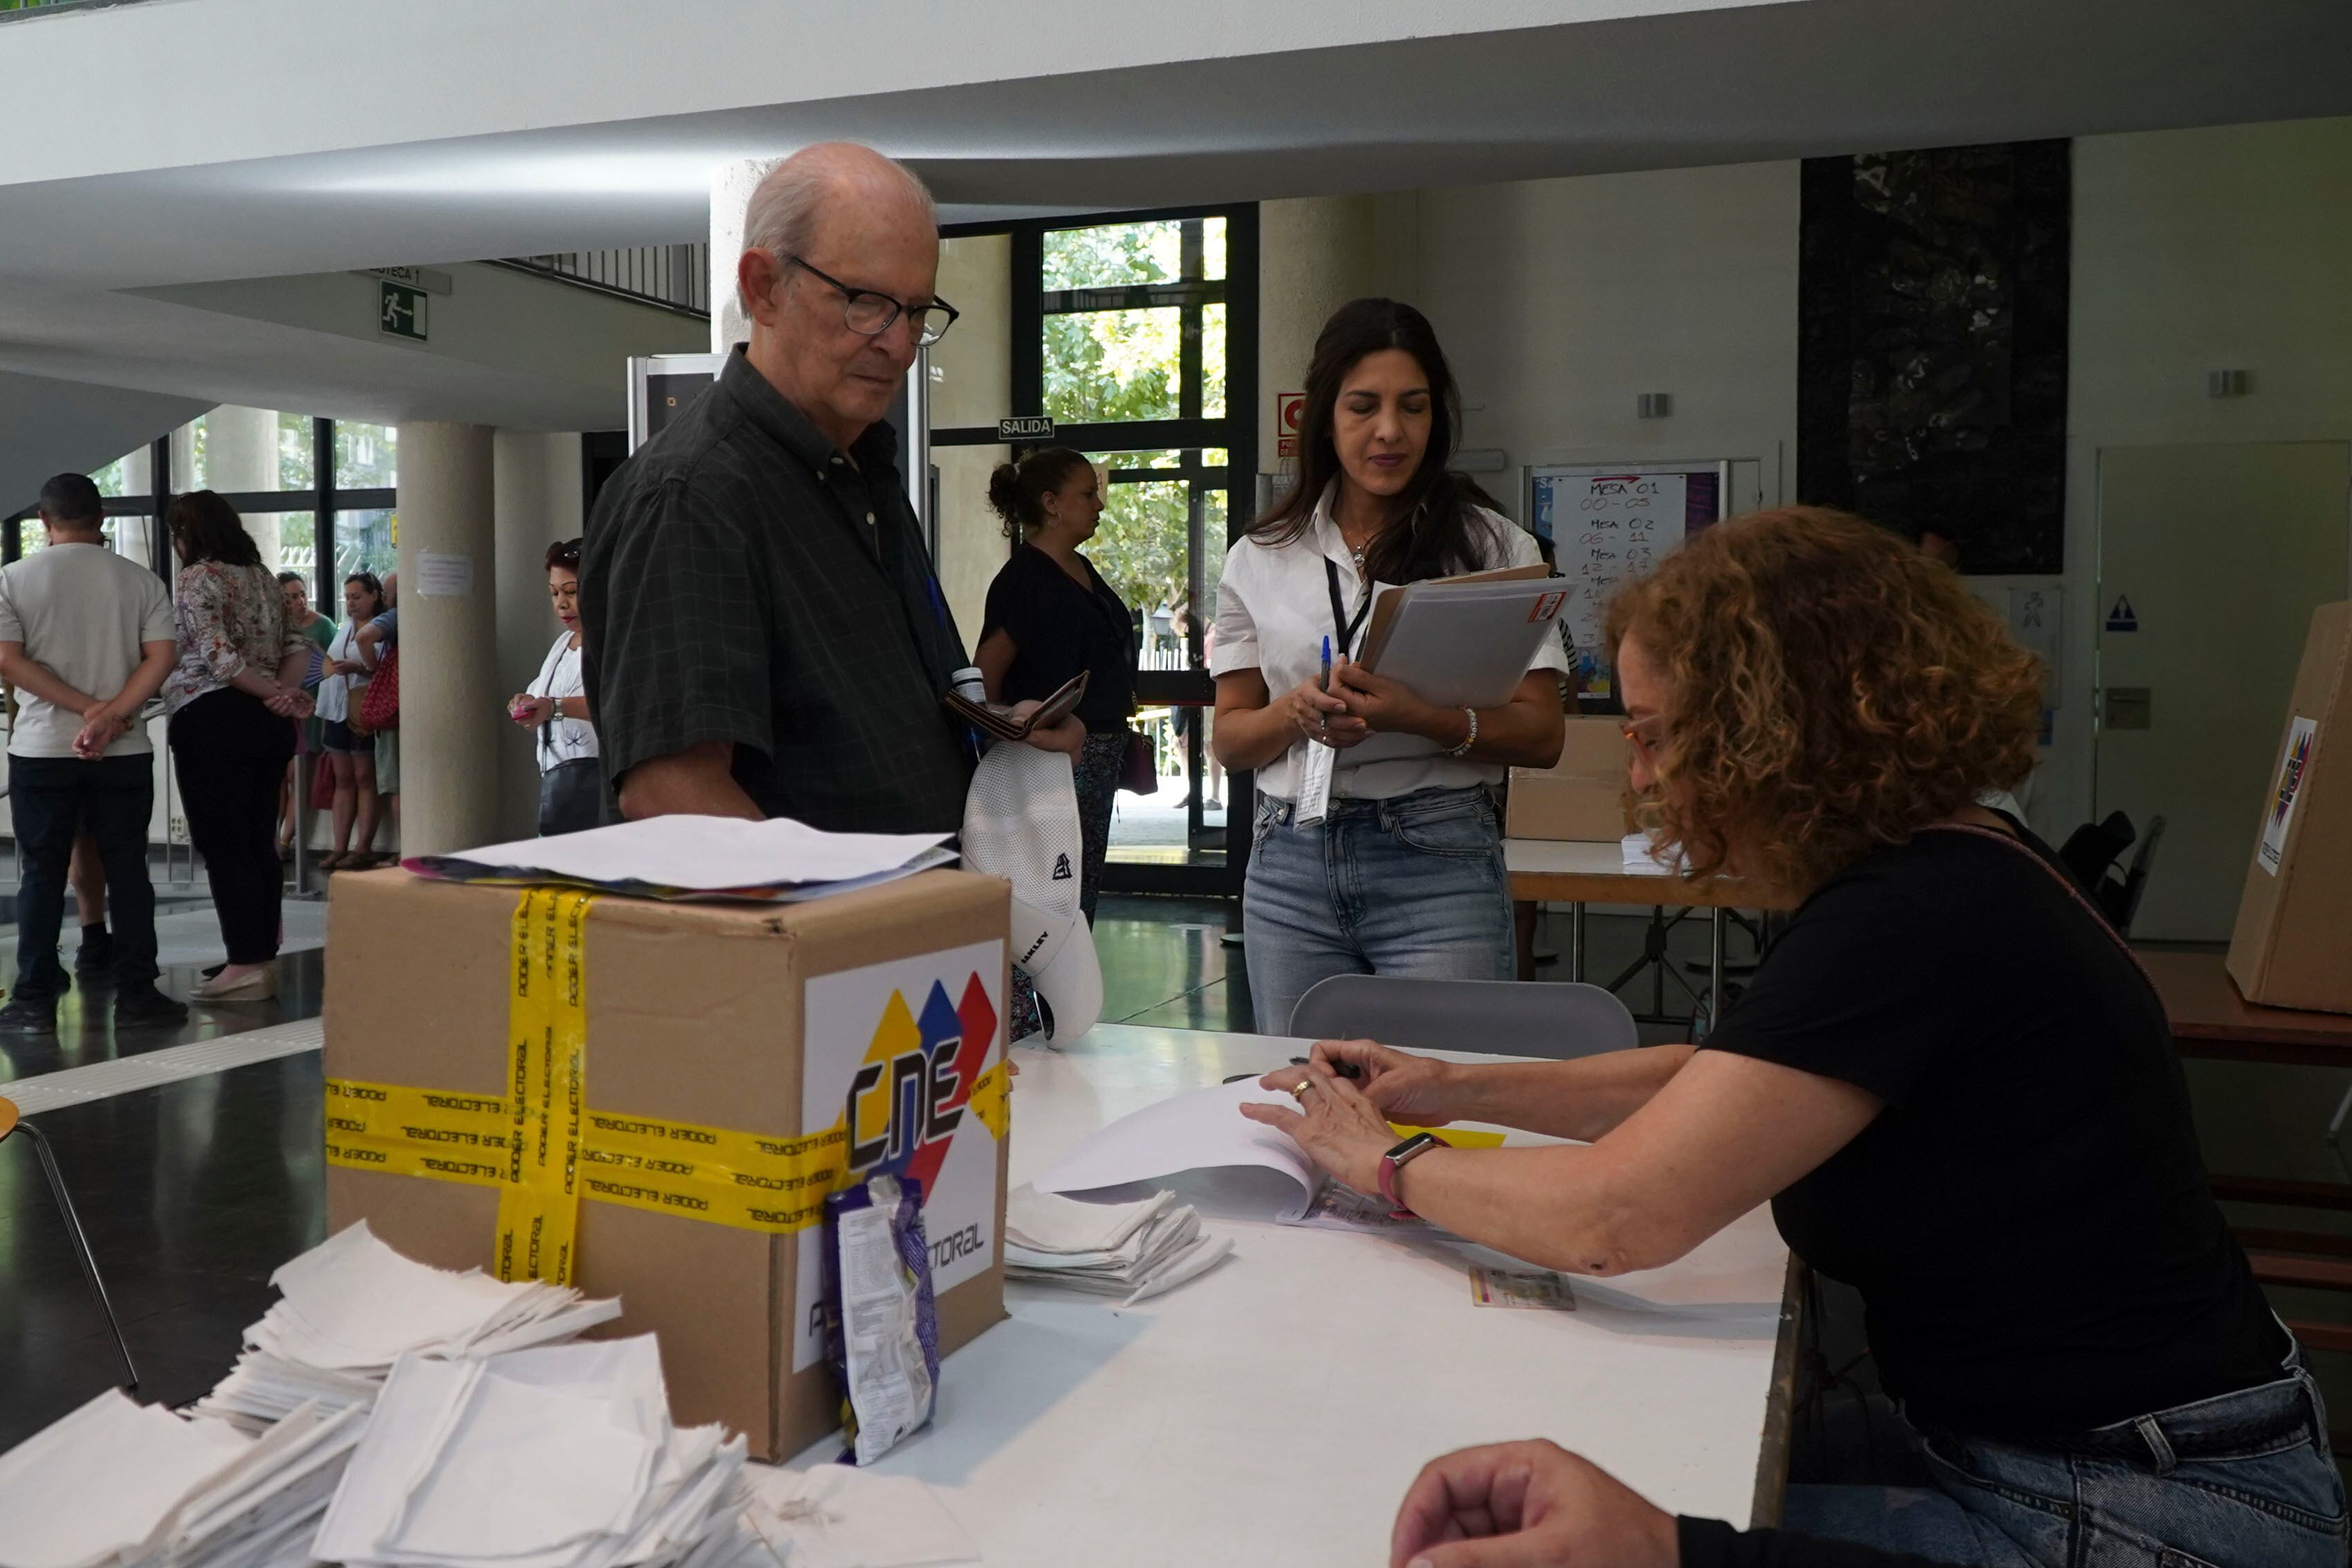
(538, 501)
(241, 454)
(731, 185)
(449, 694)
(1315, 254)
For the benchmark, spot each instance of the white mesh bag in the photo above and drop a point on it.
(1021, 822)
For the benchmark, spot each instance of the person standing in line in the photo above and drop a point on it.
(1403, 874)
(378, 640)
(321, 632)
(555, 707)
(350, 754)
(77, 620)
(762, 633)
(237, 684)
(1050, 617)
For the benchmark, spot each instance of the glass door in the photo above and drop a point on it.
(1136, 336)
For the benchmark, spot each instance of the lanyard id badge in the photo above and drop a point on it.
(1315, 774)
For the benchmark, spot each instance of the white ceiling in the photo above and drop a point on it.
(1653, 83)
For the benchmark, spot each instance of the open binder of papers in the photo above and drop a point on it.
(997, 721)
(685, 858)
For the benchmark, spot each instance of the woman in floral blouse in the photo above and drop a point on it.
(238, 680)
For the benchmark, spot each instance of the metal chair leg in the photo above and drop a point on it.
(81, 1247)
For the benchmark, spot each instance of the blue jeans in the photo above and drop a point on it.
(1411, 885)
(52, 799)
(2240, 1480)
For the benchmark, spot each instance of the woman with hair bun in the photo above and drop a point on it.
(1050, 617)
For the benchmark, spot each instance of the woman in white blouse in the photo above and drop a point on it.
(1403, 874)
(555, 704)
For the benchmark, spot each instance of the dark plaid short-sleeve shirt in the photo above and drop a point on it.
(744, 581)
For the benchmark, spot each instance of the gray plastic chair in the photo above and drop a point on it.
(1497, 1017)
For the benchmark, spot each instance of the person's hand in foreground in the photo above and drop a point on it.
(1419, 1091)
(99, 729)
(1527, 1505)
(1067, 735)
(1341, 1130)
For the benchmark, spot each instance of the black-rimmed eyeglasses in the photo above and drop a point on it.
(872, 314)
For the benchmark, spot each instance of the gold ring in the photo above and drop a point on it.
(1299, 1093)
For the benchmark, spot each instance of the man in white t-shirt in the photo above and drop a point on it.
(86, 638)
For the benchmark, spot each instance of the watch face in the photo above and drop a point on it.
(1414, 1145)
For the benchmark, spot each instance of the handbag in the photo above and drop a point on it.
(322, 782)
(380, 707)
(572, 796)
(1139, 771)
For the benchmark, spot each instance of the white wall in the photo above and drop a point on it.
(1559, 301)
(2195, 250)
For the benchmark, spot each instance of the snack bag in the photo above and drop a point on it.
(882, 1331)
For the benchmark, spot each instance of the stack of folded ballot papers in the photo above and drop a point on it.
(563, 1456)
(706, 858)
(1128, 1250)
(121, 1484)
(352, 1306)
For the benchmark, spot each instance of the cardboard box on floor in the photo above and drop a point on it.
(759, 1018)
(1583, 796)
(2293, 943)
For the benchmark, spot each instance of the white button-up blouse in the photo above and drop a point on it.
(1274, 609)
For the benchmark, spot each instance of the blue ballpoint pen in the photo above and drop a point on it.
(1326, 666)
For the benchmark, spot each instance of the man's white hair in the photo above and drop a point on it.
(783, 213)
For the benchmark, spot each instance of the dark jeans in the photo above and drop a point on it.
(232, 752)
(52, 798)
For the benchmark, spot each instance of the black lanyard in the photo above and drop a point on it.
(1344, 628)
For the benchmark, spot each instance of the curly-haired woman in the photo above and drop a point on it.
(1950, 1077)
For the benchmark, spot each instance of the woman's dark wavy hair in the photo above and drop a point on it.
(207, 528)
(1431, 535)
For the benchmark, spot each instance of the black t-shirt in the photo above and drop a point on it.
(2028, 1220)
(1058, 629)
(1711, 1543)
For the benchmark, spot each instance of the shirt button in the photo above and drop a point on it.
(869, 520)
(836, 462)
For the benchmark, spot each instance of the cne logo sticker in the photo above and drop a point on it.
(909, 1095)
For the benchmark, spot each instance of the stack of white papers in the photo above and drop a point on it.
(131, 1486)
(558, 1458)
(1644, 857)
(352, 1306)
(778, 861)
(1128, 1250)
(840, 1516)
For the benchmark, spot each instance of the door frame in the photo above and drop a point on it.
(1235, 433)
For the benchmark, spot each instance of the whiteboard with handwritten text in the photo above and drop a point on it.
(1607, 527)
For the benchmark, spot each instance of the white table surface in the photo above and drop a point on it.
(1274, 1411)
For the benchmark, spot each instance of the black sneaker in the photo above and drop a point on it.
(96, 955)
(146, 1005)
(29, 1015)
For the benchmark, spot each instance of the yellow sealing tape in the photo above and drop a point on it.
(545, 1151)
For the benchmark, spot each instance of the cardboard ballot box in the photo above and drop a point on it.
(2293, 943)
(1583, 796)
(651, 1099)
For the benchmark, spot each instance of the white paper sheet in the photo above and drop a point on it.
(103, 1478)
(708, 854)
(1201, 1130)
(838, 1516)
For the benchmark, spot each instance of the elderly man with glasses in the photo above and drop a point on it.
(765, 633)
